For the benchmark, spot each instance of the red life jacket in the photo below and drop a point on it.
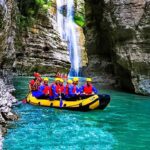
(87, 89)
(58, 89)
(46, 90)
(74, 89)
(62, 88)
(31, 82)
(34, 87)
(50, 90)
(67, 89)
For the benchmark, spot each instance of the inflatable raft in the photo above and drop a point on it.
(90, 103)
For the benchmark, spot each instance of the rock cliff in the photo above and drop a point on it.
(118, 37)
(6, 103)
(117, 40)
(7, 34)
(37, 47)
(42, 49)
(80, 12)
(7, 56)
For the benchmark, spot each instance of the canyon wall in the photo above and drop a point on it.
(118, 42)
(36, 47)
(41, 48)
(7, 34)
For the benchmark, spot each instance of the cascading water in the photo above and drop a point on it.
(68, 31)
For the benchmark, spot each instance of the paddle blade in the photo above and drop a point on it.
(24, 101)
(61, 103)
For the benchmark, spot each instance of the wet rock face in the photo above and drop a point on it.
(7, 33)
(42, 49)
(6, 99)
(7, 56)
(82, 50)
(119, 31)
(100, 70)
(80, 7)
(80, 12)
(38, 48)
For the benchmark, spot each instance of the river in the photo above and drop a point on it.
(123, 125)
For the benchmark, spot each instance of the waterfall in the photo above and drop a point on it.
(68, 32)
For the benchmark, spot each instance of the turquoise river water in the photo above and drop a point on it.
(123, 125)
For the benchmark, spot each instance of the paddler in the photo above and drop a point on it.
(45, 88)
(55, 89)
(69, 89)
(88, 88)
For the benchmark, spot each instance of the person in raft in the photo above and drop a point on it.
(88, 89)
(54, 91)
(37, 76)
(61, 88)
(76, 89)
(69, 89)
(61, 84)
(44, 88)
(57, 89)
(35, 82)
(36, 92)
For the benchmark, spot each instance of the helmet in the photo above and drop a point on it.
(88, 79)
(57, 79)
(69, 81)
(32, 82)
(75, 79)
(61, 80)
(39, 75)
(36, 75)
(46, 79)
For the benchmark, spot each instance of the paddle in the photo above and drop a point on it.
(61, 101)
(24, 100)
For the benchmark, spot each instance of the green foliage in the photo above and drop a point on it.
(29, 10)
(40, 2)
(79, 20)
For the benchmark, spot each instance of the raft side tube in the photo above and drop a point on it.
(90, 103)
(104, 100)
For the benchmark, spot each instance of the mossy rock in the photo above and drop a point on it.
(79, 20)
